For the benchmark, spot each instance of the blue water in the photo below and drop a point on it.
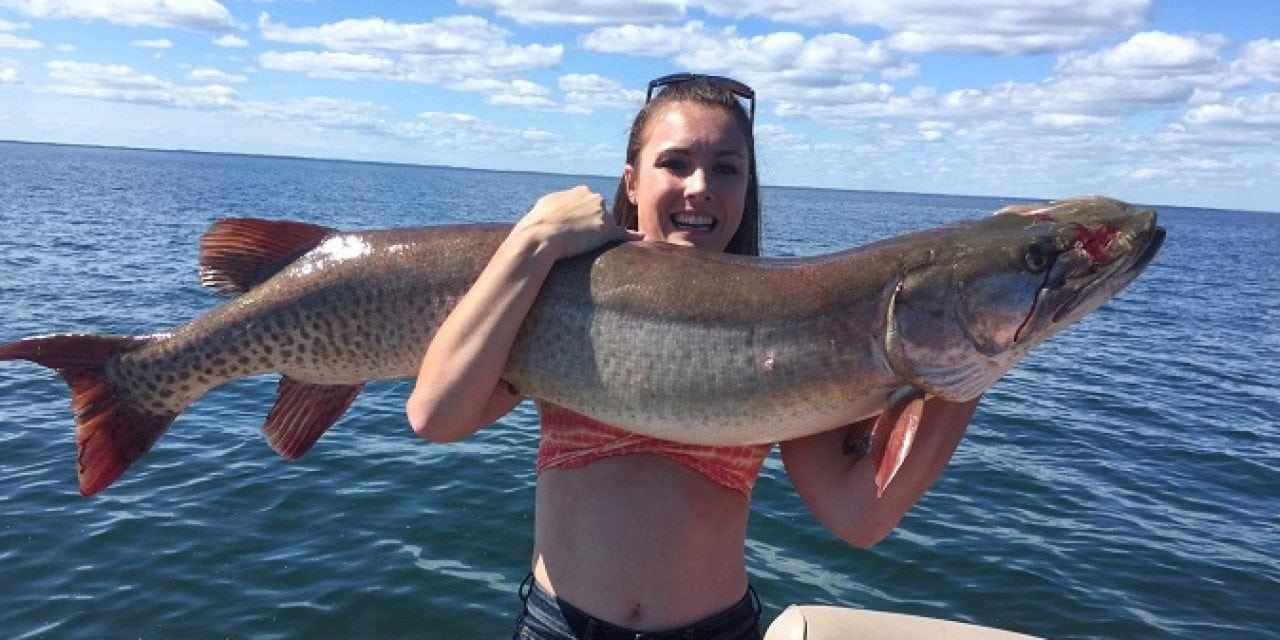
(1122, 482)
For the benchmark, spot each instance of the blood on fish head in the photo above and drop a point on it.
(1094, 241)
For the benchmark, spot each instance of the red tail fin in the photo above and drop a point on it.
(110, 434)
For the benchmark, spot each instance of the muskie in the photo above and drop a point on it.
(691, 346)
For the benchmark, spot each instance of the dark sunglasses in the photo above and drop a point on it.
(729, 84)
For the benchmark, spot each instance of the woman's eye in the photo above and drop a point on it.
(673, 164)
(727, 169)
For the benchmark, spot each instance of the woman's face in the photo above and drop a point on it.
(689, 183)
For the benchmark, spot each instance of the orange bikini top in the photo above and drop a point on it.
(571, 440)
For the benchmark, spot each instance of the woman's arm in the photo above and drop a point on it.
(458, 389)
(840, 490)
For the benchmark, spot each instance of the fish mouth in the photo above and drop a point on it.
(1114, 277)
(689, 221)
(1090, 272)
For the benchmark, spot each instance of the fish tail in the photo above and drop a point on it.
(111, 433)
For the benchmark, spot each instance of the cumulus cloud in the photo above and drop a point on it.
(522, 94)
(588, 91)
(1260, 59)
(122, 83)
(652, 40)
(192, 15)
(1004, 27)
(209, 74)
(10, 41)
(230, 41)
(447, 35)
(1149, 54)
(792, 69)
(8, 75)
(1250, 113)
(582, 12)
(465, 53)
(1092, 90)
(330, 64)
(157, 43)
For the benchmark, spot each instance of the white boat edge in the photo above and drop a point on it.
(815, 622)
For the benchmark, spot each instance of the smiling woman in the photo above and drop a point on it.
(635, 534)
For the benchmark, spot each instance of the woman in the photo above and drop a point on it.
(635, 535)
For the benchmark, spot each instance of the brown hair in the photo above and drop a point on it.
(703, 91)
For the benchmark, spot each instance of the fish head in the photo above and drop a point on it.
(994, 289)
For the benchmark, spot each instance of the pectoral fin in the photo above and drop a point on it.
(887, 438)
(900, 423)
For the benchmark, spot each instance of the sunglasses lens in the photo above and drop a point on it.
(733, 86)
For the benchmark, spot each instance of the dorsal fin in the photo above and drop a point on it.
(238, 254)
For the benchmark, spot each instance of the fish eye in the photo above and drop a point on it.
(1036, 259)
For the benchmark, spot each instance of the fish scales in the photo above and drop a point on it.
(683, 345)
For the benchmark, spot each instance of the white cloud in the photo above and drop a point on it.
(1248, 113)
(8, 75)
(653, 40)
(333, 113)
(157, 43)
(193, 15)
(582, 12)
(209, 74)
(464, 53)
(1260, 59)
(447, 35)
(788, 67)
(121, 83)
(230, 41)
(330, 64)
(589, 91)
(1150, 71)
(1005, 27)
(522, 94)
(10, 41)
(1071, 121)
(1149, 54)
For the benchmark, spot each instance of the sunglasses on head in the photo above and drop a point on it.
(733, 86)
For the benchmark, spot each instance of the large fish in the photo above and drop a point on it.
(684, 345)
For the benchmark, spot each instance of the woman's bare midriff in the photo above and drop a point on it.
(640, 541)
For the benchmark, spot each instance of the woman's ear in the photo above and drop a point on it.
(629, 180)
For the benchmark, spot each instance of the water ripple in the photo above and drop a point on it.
(1120, 483)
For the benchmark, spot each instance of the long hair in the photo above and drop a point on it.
(746, 241)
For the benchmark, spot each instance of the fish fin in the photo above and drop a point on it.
(238, 254)
(898, 424)
(110, 434)
(303, 412)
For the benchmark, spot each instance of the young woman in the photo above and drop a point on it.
(635, 535)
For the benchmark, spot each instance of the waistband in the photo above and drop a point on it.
(740, 621)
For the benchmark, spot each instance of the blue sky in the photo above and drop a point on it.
(1151, 101)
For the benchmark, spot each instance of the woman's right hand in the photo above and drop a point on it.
(459, 388)
(571, 222)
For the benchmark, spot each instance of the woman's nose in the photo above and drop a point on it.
(695, 185)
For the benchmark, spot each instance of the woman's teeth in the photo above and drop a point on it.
(693, 221)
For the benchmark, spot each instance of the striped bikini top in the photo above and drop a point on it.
(571, 440)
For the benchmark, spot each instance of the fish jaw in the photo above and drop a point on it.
(1001, 286)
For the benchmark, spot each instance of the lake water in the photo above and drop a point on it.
(1122, 482)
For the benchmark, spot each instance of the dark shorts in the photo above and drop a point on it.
(546, 617)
